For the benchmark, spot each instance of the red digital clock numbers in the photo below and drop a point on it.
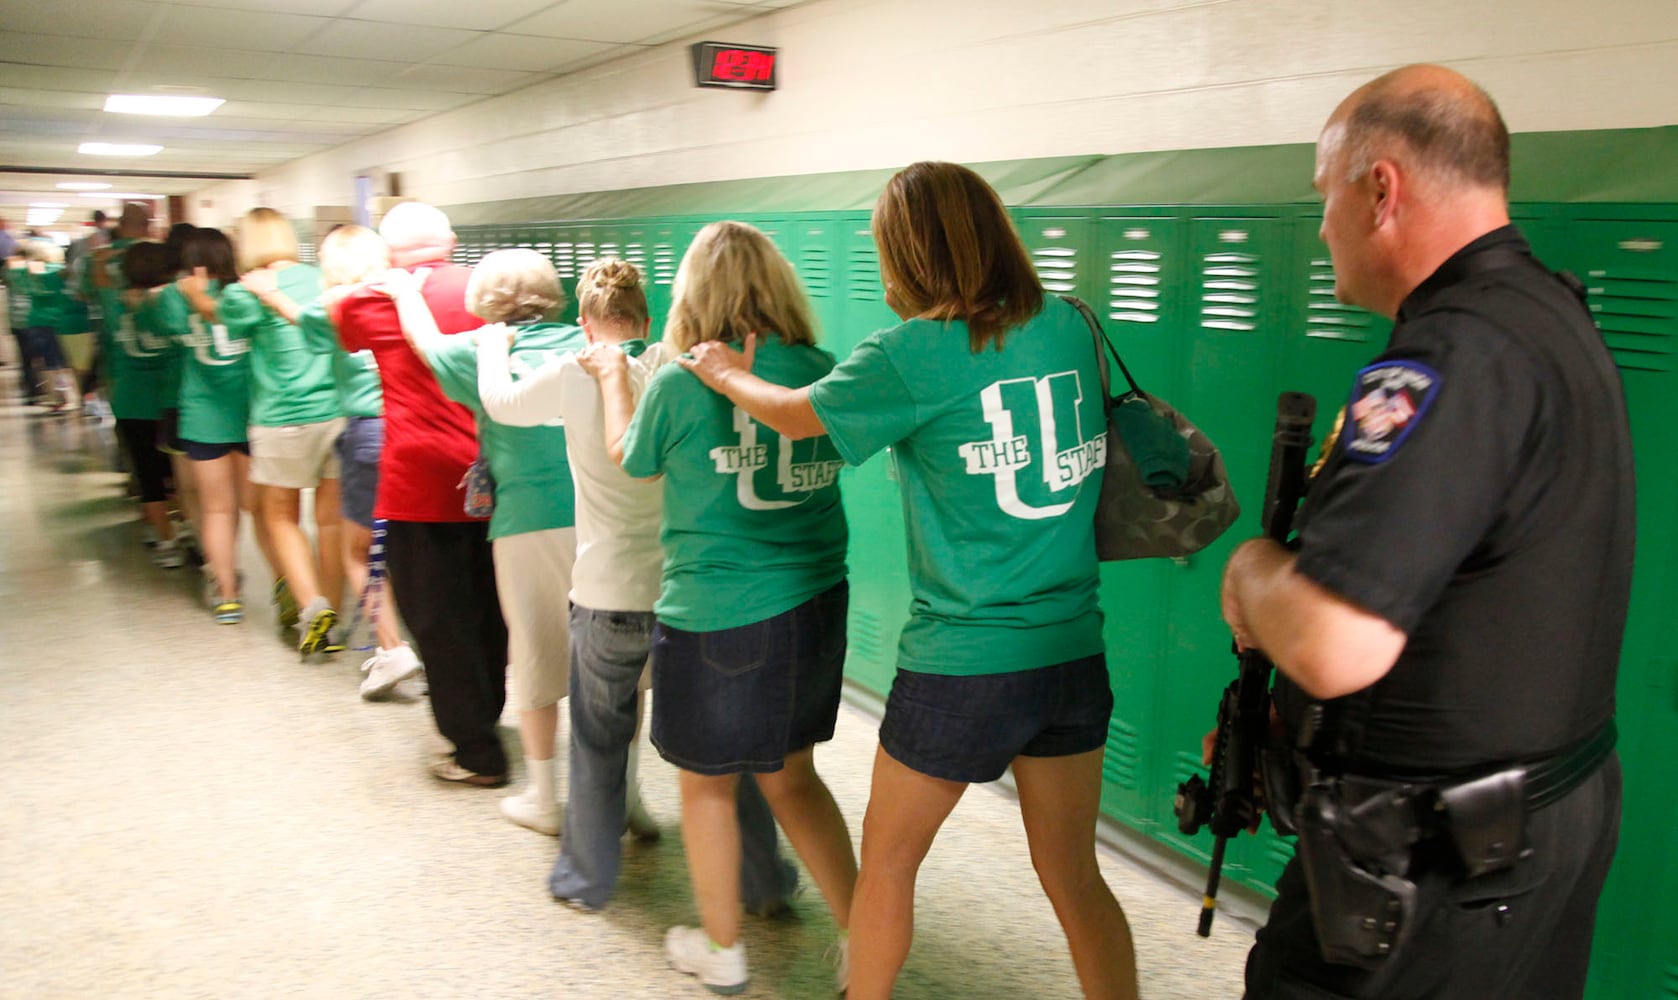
(740, 67)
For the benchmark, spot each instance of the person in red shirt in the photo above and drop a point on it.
(441, 572)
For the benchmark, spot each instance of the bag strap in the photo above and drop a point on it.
(1099, 337)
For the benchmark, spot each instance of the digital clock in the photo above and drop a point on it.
(741, 67)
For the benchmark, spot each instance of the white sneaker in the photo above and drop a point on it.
(720, 970)
(840, 956)
(387, 668)
(526, 811)
(167, 555)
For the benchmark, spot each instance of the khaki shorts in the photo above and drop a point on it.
(78, 350)
(295, 457)
(533, 579)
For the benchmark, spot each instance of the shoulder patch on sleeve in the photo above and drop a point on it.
(1388, 401)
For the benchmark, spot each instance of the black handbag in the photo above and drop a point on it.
(1165, 492)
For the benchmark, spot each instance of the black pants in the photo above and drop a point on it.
(1521, 933)
(150, 467)
(443, 579)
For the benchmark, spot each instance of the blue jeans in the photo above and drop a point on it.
(608, 652)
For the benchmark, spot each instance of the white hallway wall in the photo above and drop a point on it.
(879, 83)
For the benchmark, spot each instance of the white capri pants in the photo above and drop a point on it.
(533, 578)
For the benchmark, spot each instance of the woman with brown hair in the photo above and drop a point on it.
(990, 398)
(749, 640)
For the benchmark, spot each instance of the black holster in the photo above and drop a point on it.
(1362, 912)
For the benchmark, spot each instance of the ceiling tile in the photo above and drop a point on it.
(384, 40)
(521, 52)
(90, 81)
(464, 79)
(172, 62)
(237, 29)
(321, 8)
(617, 21)
(478, 15)
(309, 69)
(123, 20)
(417, 100)
(268, 90)
(60, 51)
(67, 100)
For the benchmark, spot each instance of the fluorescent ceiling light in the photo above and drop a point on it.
(84, 186)
(43, 216)
(179, 107)
(118, 149)
(120, 196)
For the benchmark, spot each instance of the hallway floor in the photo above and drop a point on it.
(189, 811)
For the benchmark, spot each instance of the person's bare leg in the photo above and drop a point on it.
(218, 494)
(250, 501)
(156, 514)
(357, 540)
(813, 823)
(281, 512)
(329, 544)
(711, 836)
(905, 810)
(536, 731)
(186, 491)
(1059, 799)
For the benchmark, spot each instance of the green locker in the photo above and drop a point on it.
(1630, 269)
(669, 241)
(1236, 296)
(873, 506)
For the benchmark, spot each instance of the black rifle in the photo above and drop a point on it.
(1229, 802)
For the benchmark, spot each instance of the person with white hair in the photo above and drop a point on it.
(442, 572)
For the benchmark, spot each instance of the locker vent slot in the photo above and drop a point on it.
(636, 253)
(1637, 310)
(586, 255)
(865, 639)
(606, 250)
(1058, 267)
(664, 263)
(1327, 319)
(862, 270)
(1229, 291)
(1133, 286)
(1280, 852)
(1121, 764)
(815, 269)
(565, 259)
(1185, 766)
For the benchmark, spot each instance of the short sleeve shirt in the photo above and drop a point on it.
(290, 384)
(356, 375)
(214, 393)
(753, 524)
(999, 456)
(533, 490)
(1479, 499)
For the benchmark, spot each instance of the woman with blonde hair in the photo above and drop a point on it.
(351, 256)
(296, 419)
(749, 643)
(989, 395)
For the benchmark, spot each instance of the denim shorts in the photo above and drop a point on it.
(971, 728)
(209, 451)
(358, 467)
(741, 699)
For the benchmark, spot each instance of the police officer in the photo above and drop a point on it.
(1455, 605)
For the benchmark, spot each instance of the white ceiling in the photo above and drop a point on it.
(299, 76)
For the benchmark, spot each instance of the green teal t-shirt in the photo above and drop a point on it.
(140, 360)
(999, 456)
(533, 490)
(357, 374)
(215, 372)
(290, 384)
(753, 524)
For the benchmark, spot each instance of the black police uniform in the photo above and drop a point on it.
(1479, 498)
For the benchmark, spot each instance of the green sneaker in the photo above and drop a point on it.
(286, 610)
(230, 612)
(317, 635)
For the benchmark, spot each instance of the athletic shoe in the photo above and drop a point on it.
(387, 668)
(167, 555)
(285, 604)
(335, 642)
(230, 612)
(446, 768)
(639, 822)
(320, 621)
(720, 970)
(524, 810)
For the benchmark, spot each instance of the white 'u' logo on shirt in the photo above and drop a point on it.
(1009, 453)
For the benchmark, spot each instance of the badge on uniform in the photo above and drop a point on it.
(1388, 401)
